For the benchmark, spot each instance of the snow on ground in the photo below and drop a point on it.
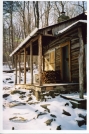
(24, 114)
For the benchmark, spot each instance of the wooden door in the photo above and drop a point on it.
(65, 62)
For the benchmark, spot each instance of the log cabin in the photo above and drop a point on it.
(61, 49)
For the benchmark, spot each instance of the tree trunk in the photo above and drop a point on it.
(11, 13)
(37, 12)
(81, 56)
(24, 20)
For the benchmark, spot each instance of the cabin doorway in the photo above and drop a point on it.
(65, 62)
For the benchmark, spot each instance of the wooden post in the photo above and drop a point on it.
(19, 68)
(31, 63)
(24, 65)
(43, 63)
(81, 55)
(40, 59)
(16, 69)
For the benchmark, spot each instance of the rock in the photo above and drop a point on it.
(36, 110)
(22, 92)
(66, 113)
(17, 91)
(16, 119)
(8, 78)
(30, 91)
(53, 115)
(82, 116)
(16, 104)
(56, 94)
(67, 104)
(51, 93)
(5, 95)
(30, 103)
(11, 82)
(53, 96)
(81, 122)
(41, 114)
(48, 122)
(45, 107)
(12, 118)
(58, 127)
(22, 96)
(12, 128)
(29, 99)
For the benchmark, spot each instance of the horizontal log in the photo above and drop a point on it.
(75, 46)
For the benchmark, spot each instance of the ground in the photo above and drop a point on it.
(21, 110)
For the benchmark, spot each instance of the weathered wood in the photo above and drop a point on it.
(75, 46)
(61, 59)
(69, 61)
(16, 69)
(24, 66)
(61, 63)
(40, 59)
(19, 59)
(81, 56)
(31, 62)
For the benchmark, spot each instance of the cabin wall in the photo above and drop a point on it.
(74, 60)
(74, 55)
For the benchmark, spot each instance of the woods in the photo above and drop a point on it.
(21, 17)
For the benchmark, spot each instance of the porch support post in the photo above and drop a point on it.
(43, 63)
(40, 59)
(19, 58)
(16, 69)
(81, 55)
(31, 62)
(24, 65)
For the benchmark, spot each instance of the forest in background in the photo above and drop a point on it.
(21, 17)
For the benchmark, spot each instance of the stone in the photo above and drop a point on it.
(66, 113)
(82, 116)
(12, 128)
(16, 119)
(30, 103)
(30, 91)
(81, 122)
(36, 110)
(8, 78)
(53, 115)
(11, 82)
(22, 96)
(16, 104)
(58, 127)
(45, 107)
(17, 91)
(67, 104)
(5, 95)
(48, 122)
(41, 114)
(29, 99)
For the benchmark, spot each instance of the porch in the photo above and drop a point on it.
(48, 88)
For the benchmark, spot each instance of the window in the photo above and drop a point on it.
(50, 61)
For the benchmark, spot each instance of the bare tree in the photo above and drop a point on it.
(36, 13)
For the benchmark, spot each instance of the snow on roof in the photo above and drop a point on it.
(24, 41)
(65, 29)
